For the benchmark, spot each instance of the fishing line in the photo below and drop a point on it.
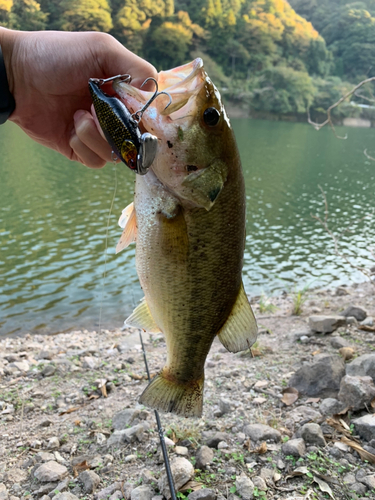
(106, 245)
(160, 432)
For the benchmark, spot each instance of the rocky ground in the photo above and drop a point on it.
(292, 419)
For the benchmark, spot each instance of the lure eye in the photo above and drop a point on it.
(211, 117)
(129, 154)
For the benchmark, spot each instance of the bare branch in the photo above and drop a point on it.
(318, 126)
(336, 239)
(365, 98)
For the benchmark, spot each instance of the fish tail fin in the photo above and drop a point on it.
(185, 399)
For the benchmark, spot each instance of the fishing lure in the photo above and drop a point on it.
(121, 128)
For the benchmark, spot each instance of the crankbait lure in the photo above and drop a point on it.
(120, 127)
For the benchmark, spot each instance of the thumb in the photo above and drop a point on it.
(117, 60)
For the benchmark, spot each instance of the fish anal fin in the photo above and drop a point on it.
(141, 318)
(129, 223)
(185, 399)
(240, 330)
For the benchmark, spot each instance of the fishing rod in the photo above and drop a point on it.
(160, 432)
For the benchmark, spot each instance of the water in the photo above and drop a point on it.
(53, 216)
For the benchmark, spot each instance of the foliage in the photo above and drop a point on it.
(277, 56)
(85, 15)
(27, 15)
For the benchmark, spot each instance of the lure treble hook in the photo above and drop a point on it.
(137, 116)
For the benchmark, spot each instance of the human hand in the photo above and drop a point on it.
(48, 73)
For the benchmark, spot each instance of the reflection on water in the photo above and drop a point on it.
(53, 216)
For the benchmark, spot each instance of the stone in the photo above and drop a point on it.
(362, 366)
(143, 492)
(294, 447)
(222, 445)
(369, 481)
(130, 458)
(130, 435)
(356, 392)
(117, 495)
(204, 457)
(182, 450)
(225, 406)
(202, 494)
(312, 434)
(325, 324)
(43, 456)
(244, 487)
(61, 486)
(369, 321)
(65, 496)
(53, 443)
(358, 489)
(301, 413)
(3, 492)
(50, 471)
(105, 493)
(349, 478)
(261, 432)
(124, 418)
(365, 426)
(320, 378)
(355, 311)
(330, 406)
(214, 440)
(182, 471)
(90, 362)
(48, 370)
(260, 483)
(338, 342)
(90, 480)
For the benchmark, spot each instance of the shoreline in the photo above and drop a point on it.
(70, 421)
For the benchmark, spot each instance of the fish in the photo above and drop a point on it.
(188, 222)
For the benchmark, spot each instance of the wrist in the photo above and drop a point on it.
(7, 103)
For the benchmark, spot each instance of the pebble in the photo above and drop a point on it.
(90, 480)
(3, 492)
(204, 457)
(202, 494)
(53, 443)
(182, 471)
(260, 483)
(325, 324)
(294, 447)
(312, 434)
(356, 392)
(356, 312)
(143, 492)
(244, 487)
(362, 366)
(365, 426)
(261, 432)
(48, 370)
(330, 406)
(182, 450)
(65, 496)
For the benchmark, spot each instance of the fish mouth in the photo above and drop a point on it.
(183, 84)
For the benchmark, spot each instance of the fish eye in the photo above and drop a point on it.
(211, 117)
(129, 154)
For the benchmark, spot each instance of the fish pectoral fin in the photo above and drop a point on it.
(128, 222)
(185, 399)
(204, 186)
(240, 330)
(141, 318)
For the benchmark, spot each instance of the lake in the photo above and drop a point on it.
(53, 222)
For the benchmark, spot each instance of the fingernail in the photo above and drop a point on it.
(79, 114)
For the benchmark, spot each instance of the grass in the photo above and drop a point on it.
(265, 305)
(178, 433)
(299, 297)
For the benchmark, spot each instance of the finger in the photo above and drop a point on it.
(119, 60)
(85, 154)
(88, 133)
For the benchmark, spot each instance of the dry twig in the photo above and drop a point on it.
(318, 126)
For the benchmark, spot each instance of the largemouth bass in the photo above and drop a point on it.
(188, 221)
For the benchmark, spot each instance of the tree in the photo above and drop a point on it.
(27, 15)
(85, 15)
(5, 8)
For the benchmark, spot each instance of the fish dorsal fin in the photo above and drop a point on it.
(141, 318)
(240, 330)
(128, 222)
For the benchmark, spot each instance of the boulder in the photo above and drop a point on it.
(320, 378)
(356, 392)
